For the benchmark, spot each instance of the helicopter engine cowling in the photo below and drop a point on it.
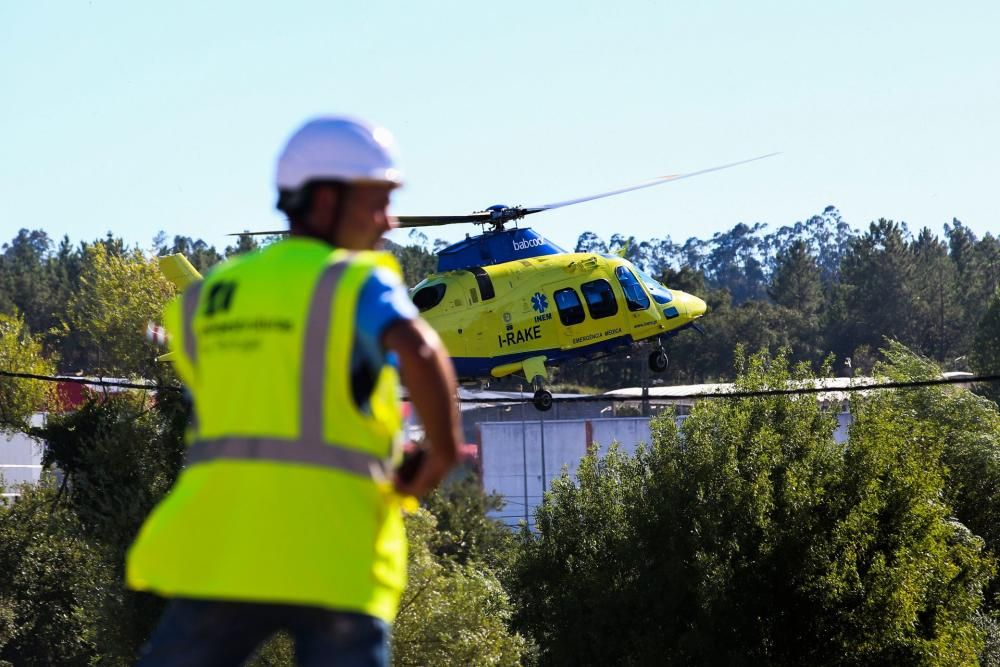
(495, 248)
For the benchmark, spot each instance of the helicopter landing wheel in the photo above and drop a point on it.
(658, 361)
(542, 400)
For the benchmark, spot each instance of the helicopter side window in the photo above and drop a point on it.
(427, 297)
(569, 306)
(600, 299)
(635, 296)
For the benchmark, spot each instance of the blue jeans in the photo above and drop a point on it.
(215, 632)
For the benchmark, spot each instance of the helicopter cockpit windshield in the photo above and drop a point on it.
(660, 294)
(429, 296)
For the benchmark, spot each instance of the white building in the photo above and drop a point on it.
(20, 460)
(521, 455)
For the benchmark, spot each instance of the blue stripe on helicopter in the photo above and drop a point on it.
(476, 367)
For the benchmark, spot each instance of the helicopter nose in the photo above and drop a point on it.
(695, 306)
(689, 304)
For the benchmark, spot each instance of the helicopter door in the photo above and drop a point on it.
(569, 308)
(600, 321)
(642, 320)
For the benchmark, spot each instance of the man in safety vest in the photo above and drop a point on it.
(287, 512)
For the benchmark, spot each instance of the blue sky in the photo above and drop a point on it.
(140, 117)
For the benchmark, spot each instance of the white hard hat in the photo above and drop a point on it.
(337, 148)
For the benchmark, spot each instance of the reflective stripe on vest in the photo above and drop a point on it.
(324, 454)
(309, 448)
(314, 354)
(189, 306)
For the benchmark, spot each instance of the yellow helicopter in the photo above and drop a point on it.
(509, 301)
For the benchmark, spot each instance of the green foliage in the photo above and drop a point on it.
(986, 351)
(968, 426)
(761, 285)
(118, 295)
(119, 454)
(30, 279)
(201, 255)
(750, 537)
(454, 610)
(746, 537)
(464, 532)
(796, 283)
(937, 308)
(913, 572)
(415, 259)
(54, 580)
(278, 651)
(21, 352)
(451, 613)
(574, 582)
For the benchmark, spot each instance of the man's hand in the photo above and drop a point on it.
(429, 377)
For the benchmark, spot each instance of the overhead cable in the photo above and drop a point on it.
(647, 396)
(94, 382)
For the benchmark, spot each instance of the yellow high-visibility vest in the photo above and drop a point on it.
(285, 495)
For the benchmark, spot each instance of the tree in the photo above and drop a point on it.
(829, 238)
(796, 281)
(25, 281)
(119, 294)
(969, 427)
(464, 532)
(685, 279)
(415, 260)
(119, 454)
(937, 309)
(874, 299)
(574, 581)
(54, 582)
(21, 353)
(201, 255)
(977, 265)
(590, 242)
(797, 288)
(986, 349)
(748, 536)
(246, 242)
(897, 486)
(451, 613)
(733, 263)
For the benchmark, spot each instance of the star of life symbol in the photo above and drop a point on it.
(539, 302)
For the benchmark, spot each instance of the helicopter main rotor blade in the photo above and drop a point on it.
(434, 220)
(528, 210)
(405, 221)
(498, 215)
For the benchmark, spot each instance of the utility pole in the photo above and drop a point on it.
(524, 454)
(541, 429)
(644, 373)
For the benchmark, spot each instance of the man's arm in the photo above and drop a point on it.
(427, 372)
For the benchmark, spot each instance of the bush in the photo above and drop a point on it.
(451, 613)
(749, 536)
(54, 579)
